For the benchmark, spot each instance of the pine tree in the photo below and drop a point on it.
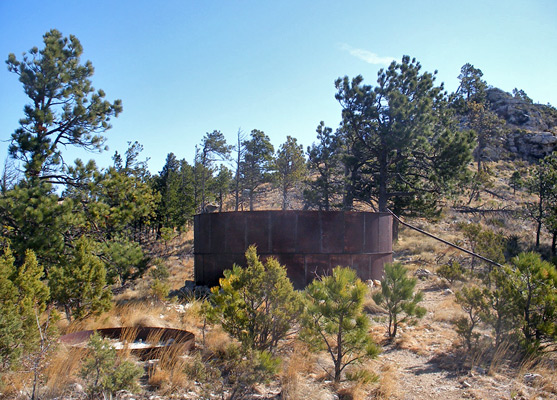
(240, 152)
(324, 183)
(33, 296)
(473, 302)
(11, 329)
(214, 148)
(64, 110)
(398, 297)
(257, 304)
(504, 312)
(403, 149)
(124, 259)
(472, 87)
(483, 241)
(535, 282)
(334, 319)
(487, 126)
(105, 373)
(23, 297)
(515, 181)
(109, 202)
(175, 184)
(221, 184)
(79, 284)
(289, 168)
(256, 164)
(542, 182)
(34, 218)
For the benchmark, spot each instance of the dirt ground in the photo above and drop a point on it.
(425, 363)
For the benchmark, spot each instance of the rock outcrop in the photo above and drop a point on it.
(531, 129)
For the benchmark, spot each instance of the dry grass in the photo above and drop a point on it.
(413, 243)
(388, 383)
(545, 369)
(63, 370)
(300, 361)
(361, 381)
(131, 314)
(303, 388)
(370, 307)
(425, 339)
(501, 358)
(193, 318)
(180, 269)
(168, 375)
(354, 391)
(136, 314)
(447, 310)
(216, 341)
(408, 341)
(140, 291)
(14, 385)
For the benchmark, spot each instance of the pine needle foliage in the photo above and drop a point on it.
(257, 305)
(105, 373)
(64, 108)
(79, 285)
(473, 302)
(334, 319)
(398, 297)
(23, 296)
(535, 281)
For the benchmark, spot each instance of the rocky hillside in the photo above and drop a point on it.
(531, 129)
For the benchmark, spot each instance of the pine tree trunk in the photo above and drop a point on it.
(338, 361)
(553, 243)
(539, 227)
(382, 197)
(284, 197)
(237, 189)
(348, 195)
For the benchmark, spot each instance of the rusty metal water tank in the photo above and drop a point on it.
(308, 243)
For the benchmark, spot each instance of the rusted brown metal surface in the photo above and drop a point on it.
(308, 243)
(144, 342)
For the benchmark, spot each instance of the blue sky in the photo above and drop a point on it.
(184, 68)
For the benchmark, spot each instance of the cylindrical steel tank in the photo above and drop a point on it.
(308, 243)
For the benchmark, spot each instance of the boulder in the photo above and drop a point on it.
(423, 273)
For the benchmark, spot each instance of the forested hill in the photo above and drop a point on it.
(529, 130)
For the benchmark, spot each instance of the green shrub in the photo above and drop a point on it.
(334, 319)
(257, 305)
(451, 272)
(398, 297)
(104, 373)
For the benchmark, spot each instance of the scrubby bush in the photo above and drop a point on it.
(104, 373)
(473, 302)
(159, 284)
(451, 272)
(257, 305)
(398, 297)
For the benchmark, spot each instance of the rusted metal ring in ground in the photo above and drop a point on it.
(143, 342)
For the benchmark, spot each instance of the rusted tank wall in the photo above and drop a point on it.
(308, 243)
